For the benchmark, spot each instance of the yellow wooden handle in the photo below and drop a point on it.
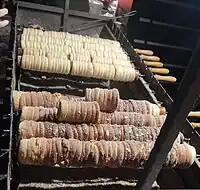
(149, 58)
(153, 63)
(165, 78)
(144, 52)
(159, 70)
(194, 114)
(195, 125)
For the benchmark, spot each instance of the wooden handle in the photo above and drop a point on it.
(195, 125)
(165, 78)
(153, 64)
(149, 58)
(163, 111)
(159, 70)
(144, 52)
(191, 114)
(194, 114)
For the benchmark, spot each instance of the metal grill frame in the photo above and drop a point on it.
(148, 83)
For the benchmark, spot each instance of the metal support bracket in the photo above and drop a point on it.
(187, 94)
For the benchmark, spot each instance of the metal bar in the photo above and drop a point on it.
(51, 9)
(65, 16)
(86, 15)
(87, 27)
(34, 6)
(174, 66)
(110, 32)
(12, 48)
(188, 92)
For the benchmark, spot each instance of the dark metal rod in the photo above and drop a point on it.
(87, 27)
(65, 16)
(188, 92)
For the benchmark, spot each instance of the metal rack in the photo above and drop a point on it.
(187, 94)
(145, 84)
(6, 117)
(175, 52)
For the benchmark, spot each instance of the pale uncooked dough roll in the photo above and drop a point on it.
(59, 65)
(80, 57)
(35, 52)
(102, 60)
(42, 46)
(75, 44)
(54, 34)
(88, 45)
(52, 40)
(104, 71)
(109, 60)
(32, 32)
(74, 37)
(34, 45)
(79, 51)
(58, 54)
(45, 40)
(125, 74)
(92, 53)
(122, 63)
(35, 63)
(84, 69)
(122, 56)
(43, 64)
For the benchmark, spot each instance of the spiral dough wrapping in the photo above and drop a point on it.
(44, 99)
(131, 118)
(66, 53)
(38, 114)
(84, 132)
(75, 153)
(84, 69)
(139, 106)
(44, 64)
(78, 112)
(107, 99)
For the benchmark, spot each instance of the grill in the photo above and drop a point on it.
(146, 87)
